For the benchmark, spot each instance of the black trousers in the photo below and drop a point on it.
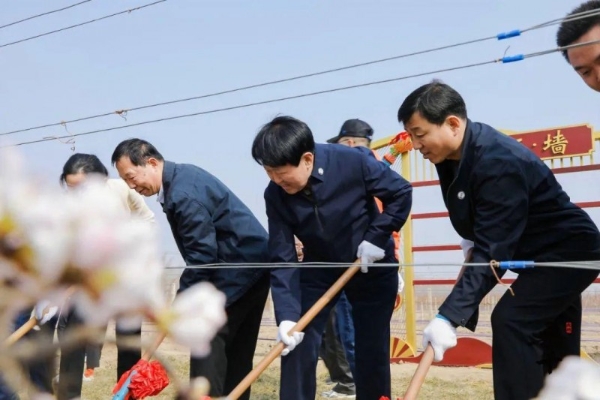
(232, 349)
(372, 296)
(334, 357)
(536, 328)
(72, 361)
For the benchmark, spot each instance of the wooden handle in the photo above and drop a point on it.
(419, 377)
(299, 327)
(149, 352)
(19, 333)
(26, 327)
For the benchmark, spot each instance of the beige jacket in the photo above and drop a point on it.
(131, 200)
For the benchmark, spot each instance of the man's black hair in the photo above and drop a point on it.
(435, 101)
(571, 31)
(82, 163)
(282, 142)
(138, 151)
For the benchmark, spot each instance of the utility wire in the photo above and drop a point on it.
(81, 24)
(43, 14)
(504, 60)
(500, 36)
(591, 265)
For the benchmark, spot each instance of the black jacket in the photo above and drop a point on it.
(211, 225)
(509, 203)
(332, 222)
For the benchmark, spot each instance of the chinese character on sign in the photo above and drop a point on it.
(558, 143)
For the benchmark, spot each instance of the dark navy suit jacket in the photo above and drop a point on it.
(211, 225)
(334, 218)
(508, 202)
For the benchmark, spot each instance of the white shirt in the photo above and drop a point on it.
(132, 201)
(160, 197)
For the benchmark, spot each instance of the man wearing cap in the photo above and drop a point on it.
(356, 132)
(353, 133)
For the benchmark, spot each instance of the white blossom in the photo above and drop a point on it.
(119, 258)
(574, 379)
(195, 317)
(53, 240)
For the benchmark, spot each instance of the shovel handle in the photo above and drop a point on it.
(419, 377)
(19, 333)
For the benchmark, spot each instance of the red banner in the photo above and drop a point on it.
(559, 143)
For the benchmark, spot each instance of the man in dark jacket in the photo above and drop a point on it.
(502, 197)
(585, 60)
(210, 225)
(324, 194)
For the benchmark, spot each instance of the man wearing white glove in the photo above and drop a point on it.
(505, 200)
(441, 334)
(368, 254)
(44, 311)
(290, 341)
(325, 195)
(400, 283)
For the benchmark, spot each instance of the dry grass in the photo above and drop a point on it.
(441, 383)
(446, 383)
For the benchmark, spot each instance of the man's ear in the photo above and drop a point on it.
(454, 122)
(307, 158)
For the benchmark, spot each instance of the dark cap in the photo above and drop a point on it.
(354, 128)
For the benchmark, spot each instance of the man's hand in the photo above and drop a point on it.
(400, 283)
(467, 248)
(368, 254)
(442, 336)
(290, 341)
(44, 311)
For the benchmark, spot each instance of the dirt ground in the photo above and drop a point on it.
(446, 383)
(441, 383)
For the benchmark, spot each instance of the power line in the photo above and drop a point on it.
(500, 36)
(590, 265)
(504, 60)
(81, 24)
(43, 14)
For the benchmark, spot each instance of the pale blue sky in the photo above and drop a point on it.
(184, 48)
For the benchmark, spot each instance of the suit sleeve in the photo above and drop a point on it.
(285, 282)
(198, 236)
(394, 192)
(501, 206)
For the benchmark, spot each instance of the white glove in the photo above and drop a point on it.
(400, 283)
(466, 246)
(290, 341)
(368, 254)
(44, 311)
(442, 336)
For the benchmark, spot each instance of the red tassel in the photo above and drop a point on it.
(150, 379)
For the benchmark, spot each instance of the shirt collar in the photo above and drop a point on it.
(161, 195)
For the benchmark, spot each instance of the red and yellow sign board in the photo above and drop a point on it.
(569, 141)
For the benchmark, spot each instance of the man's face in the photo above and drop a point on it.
(290, 178)
(74, 180)
(586, 59)
(347, 141)
(146, 180)
(352, 141)
(436, 143)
